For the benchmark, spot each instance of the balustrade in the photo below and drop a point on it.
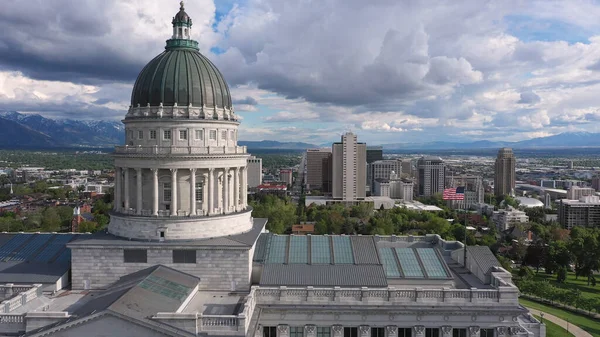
(179, 150)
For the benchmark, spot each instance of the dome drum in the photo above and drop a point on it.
(184, 112)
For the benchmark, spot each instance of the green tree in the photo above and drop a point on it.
(88, 227)
(51, 221)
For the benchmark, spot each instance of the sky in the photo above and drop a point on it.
(390, 71)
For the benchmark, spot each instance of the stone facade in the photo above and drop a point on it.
(222, 268)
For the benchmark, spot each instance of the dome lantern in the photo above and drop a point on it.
(182, 30)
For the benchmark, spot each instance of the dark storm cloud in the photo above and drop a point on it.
(248, 101)
(529, 97)
(64, 40)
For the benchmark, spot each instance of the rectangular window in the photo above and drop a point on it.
(135, 256)
(182, 134)
(184, 256)
(432, 332)
(167, 134)
(296, 331)
(199, 191)
(152, 134)
(405, 332)
(167, 192)
(350, 332)
(377, 332)
(269, 331)
(140, 134)
(213, 134)
(487, 333)
(224, 135)
(199, 134)
(459, 332)
(323, 331)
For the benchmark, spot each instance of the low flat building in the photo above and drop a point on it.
(506, 218)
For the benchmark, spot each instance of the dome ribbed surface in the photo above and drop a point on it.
(182, 76)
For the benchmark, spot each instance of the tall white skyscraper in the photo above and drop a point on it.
(254, 171)
(349, 159)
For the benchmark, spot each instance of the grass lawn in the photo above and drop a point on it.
(588, 324)
(553, 330)
(572, 283)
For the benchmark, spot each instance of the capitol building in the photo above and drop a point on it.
(183, 256)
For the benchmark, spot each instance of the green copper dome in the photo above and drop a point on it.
(181, 75)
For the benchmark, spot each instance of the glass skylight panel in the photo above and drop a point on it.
(320, 250)
(277, 249)
(389, 262)
(409, 263)
(342, 250)
(161, 286)
(298, 249)
(12, 244)
(431, 262)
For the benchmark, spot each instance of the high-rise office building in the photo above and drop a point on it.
(575, 192)
(596, 183)
(314, 167)
(584, 212)
(348, 164)
(504, 173)
(431, 175)
(374, 153)
(383, 169)
(255, 175)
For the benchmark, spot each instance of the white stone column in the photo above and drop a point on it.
(155, 192)
(419, 330)
(211, 191)
(126, 185)
(236, 189)
(226, 190)
(173, 192)
(244, 187)
(192, 192)
(117, 190)
(138, 205)
(446, 331)
(205, 194)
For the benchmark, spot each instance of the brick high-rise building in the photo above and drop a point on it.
(431, 175)
(314, 167)
(504, 172)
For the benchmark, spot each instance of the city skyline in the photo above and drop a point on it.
(473, 71)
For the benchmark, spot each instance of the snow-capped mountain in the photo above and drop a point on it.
(34, 130)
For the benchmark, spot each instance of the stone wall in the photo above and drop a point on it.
(218, 269)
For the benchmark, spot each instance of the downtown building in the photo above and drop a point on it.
(382, 169)
(318, 168)
(348, 163)
(584, 212)
(431, 176)
(183, 256)
(474, 191)
(504, 173)
(255, 174)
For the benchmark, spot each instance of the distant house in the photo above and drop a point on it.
(303, 228)
(81, 214)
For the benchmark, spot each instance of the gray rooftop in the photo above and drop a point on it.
(483, 256)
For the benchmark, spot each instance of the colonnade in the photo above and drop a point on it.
(216, 183)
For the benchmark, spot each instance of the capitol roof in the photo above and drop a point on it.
(529, 202)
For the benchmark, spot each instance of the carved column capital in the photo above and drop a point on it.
(392, 330)
(193, 170)
(173, 170)
(446, 331)
(419, 330)
(337, 330)
(364, 330)
(501, 331)
(310, 330)
(283, 330)
(474, 331)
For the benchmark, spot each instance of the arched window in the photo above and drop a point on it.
(185, 32)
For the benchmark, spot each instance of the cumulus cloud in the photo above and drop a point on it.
(529, 97)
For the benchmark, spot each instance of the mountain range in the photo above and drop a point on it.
(19, 130)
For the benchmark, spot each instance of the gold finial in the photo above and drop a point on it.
(181, 5)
